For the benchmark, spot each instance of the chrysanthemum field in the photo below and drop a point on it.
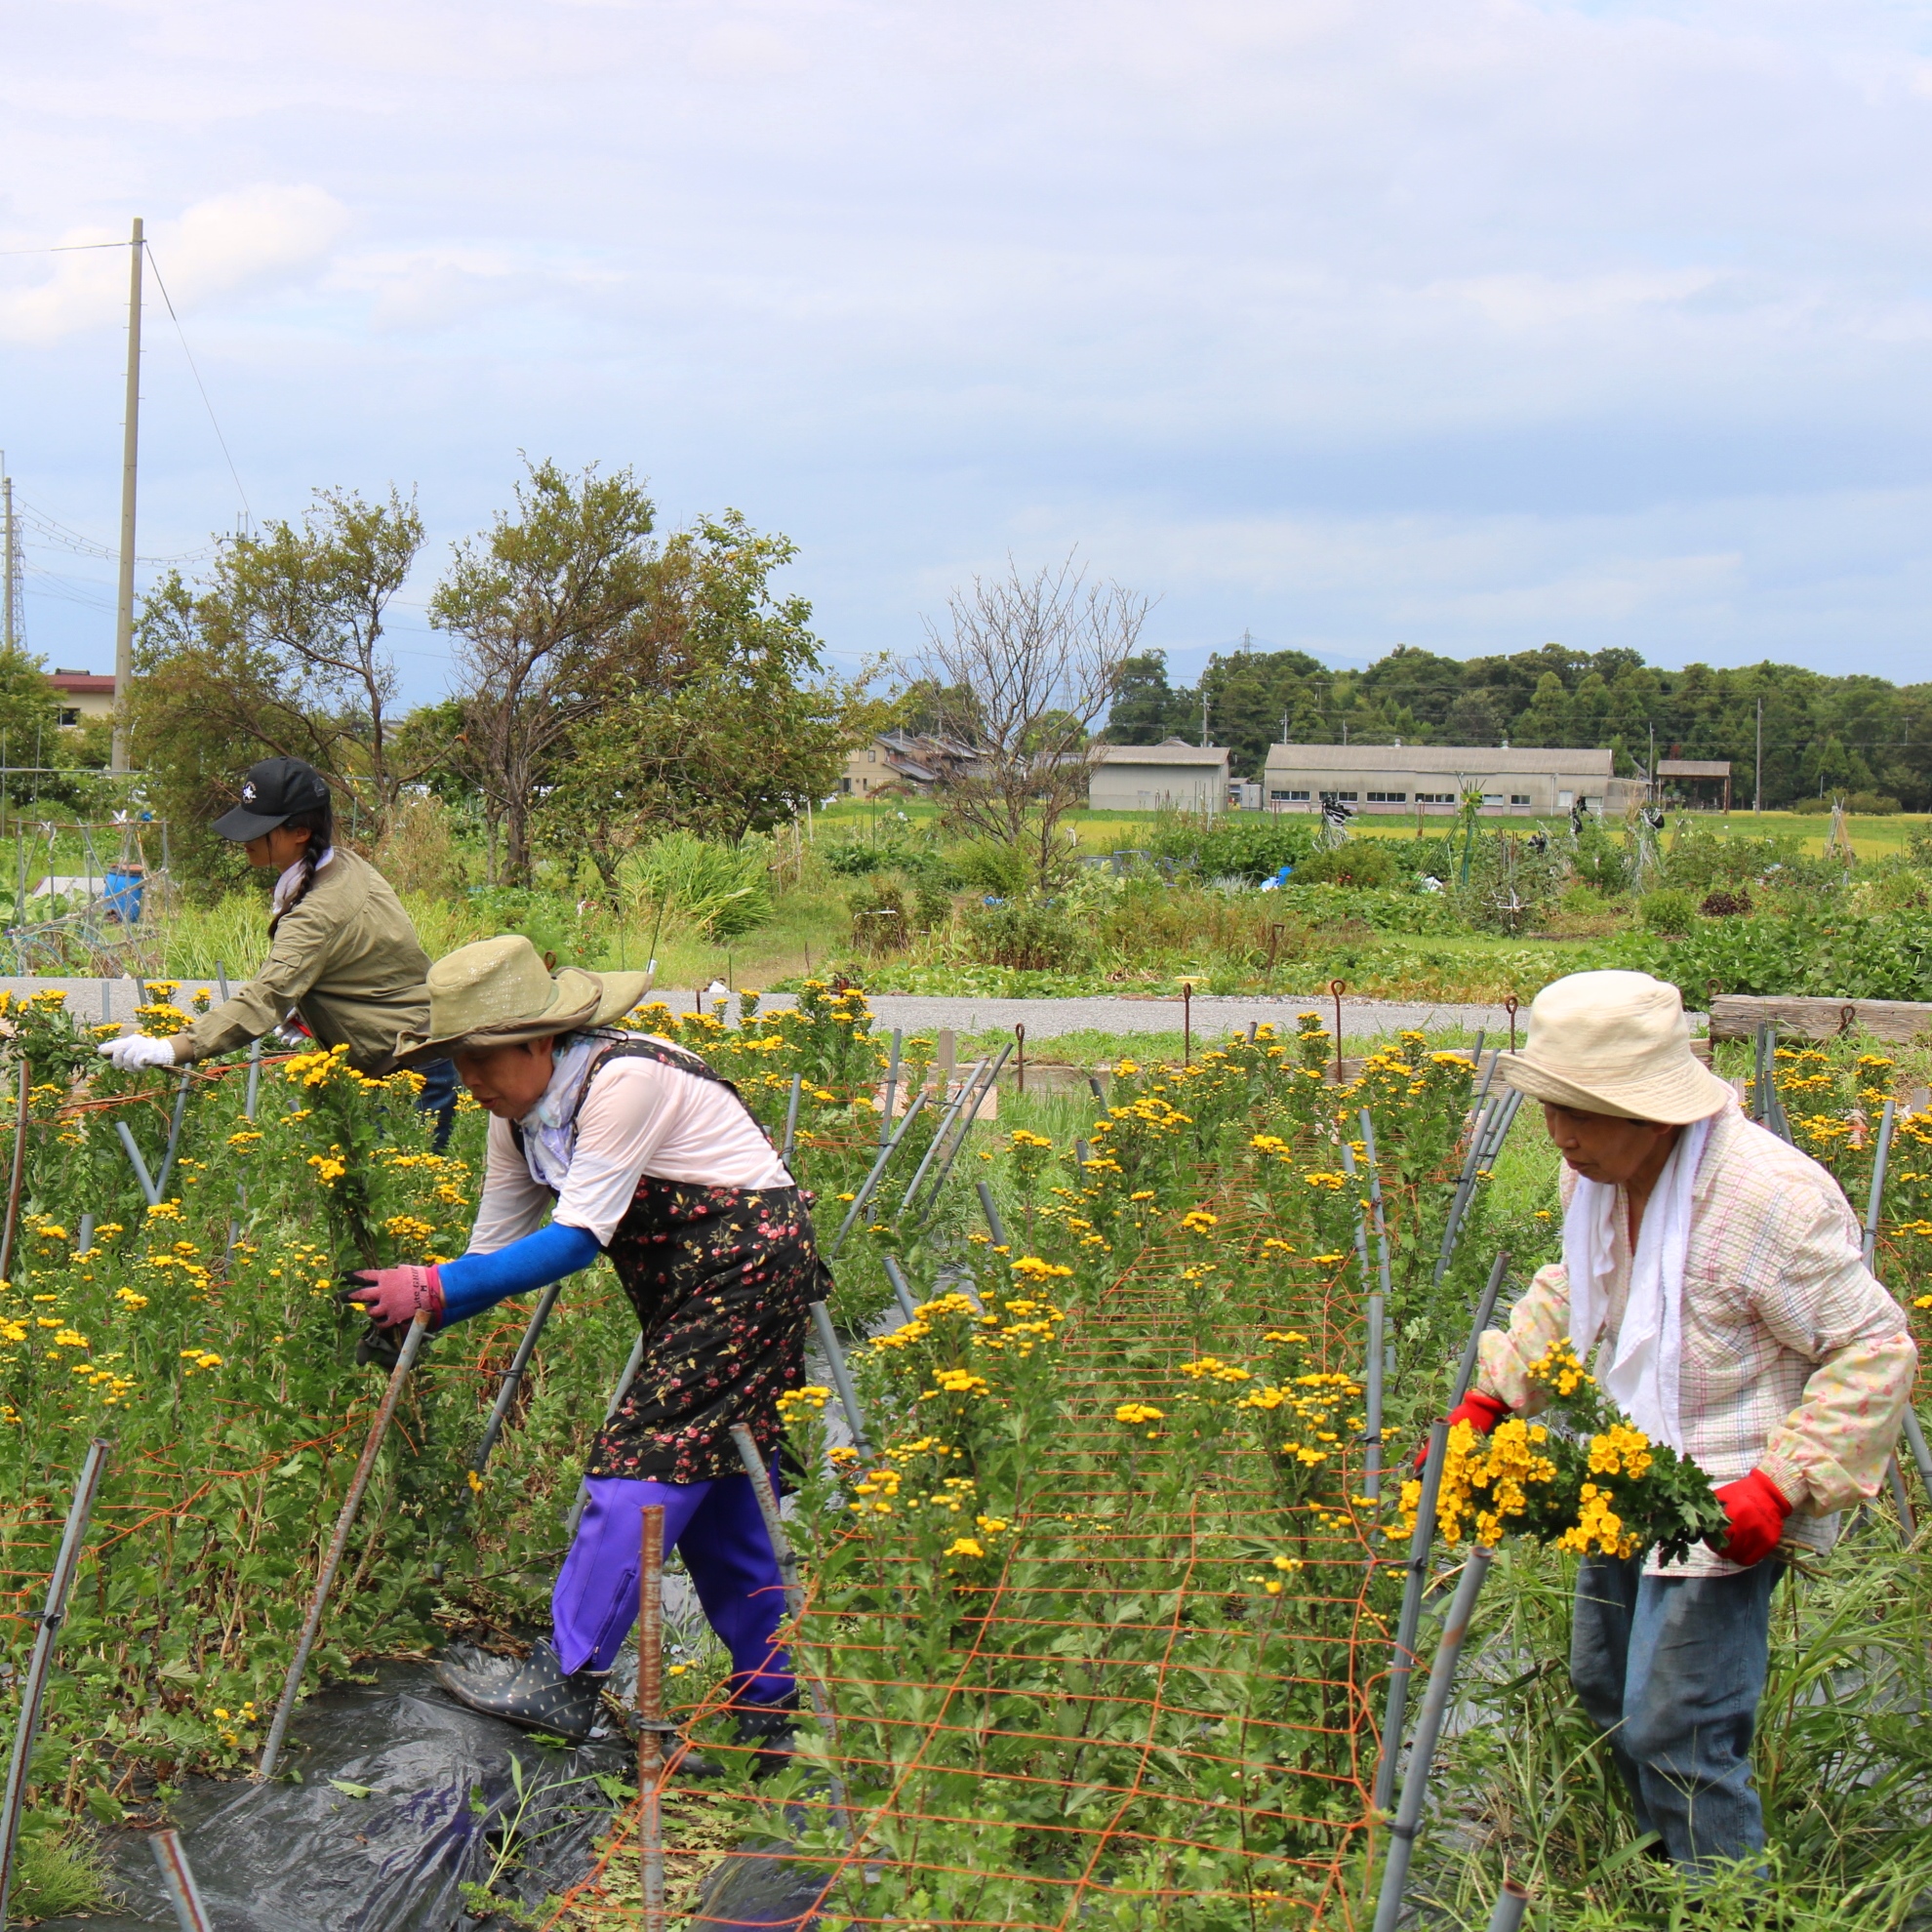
(1105, 1614)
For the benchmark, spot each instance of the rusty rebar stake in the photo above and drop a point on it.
(651, 1715)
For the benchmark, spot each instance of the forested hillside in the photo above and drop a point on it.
(1853, 733)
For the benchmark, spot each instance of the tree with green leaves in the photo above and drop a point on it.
(281, 650)
(547, 611)
(722, 720)
(283, 646)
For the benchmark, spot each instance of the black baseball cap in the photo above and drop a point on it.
(272, 793)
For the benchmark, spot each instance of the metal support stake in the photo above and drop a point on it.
(1372, 1366)
(177, 1881)
(1428, 1727)
(1403, 1662)
(1512, 1901)
(19, 1169)
(951, 1110)
(27, 1726)
(794, 1598)
(651, 1725)
(1921, 1457)
(965, 1128)
(1096, 1089)
(173, 1137)
(848, 1398)
(791, 1120)
(895, 1274)
(1485, 1308)
(633, 1364)
(990, 1209)
(1378, 1304)
(865, 1194)
(500, 1410)
(150, 1191)
(891, 1086)
(1900, 1502)
(1880, 1160)
(332, 1561)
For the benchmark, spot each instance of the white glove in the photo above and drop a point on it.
(134, 1051)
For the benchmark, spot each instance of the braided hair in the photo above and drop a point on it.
(320, 826)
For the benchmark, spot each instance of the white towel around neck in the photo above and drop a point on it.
(1641, 1378)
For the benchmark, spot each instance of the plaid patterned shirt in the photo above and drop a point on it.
(1796, 1361)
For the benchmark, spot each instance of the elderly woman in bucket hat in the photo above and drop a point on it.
(619, 1144)
(1718, 1273)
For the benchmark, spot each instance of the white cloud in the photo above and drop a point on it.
(247, 239)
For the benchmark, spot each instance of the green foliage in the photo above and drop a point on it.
(57, 1872)
(701, 885)
(281, 650)
(1225, 845)
(1670, 910)
(718, 717)
(1356, 862)
(983, 865)
(1029, 934)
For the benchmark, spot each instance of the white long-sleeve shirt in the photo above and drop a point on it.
(637, 1116)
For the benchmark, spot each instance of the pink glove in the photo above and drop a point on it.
(1757, 1509)
(392, 1296)
(1481, 1412)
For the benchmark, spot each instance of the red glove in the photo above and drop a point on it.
(392, 1296)
(1481, 1412)
(1757, 1508)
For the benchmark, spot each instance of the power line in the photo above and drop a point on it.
(247, 509)
(62, 248)
(59, 535)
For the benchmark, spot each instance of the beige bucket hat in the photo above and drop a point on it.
(1615, 1043)
(498, 992)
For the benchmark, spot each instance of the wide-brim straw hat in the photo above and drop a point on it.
(498, 992)
(1616, 1043)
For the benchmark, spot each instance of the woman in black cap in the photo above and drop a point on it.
(344, 957)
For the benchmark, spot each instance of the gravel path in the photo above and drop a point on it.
(1043, 1019)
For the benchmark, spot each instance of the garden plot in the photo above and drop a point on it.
(1107, 1624)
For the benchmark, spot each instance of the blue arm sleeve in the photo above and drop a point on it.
(472, 1283)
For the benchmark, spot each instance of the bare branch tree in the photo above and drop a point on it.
(1022, 672)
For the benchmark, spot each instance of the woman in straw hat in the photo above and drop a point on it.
(618, 1144)
(1722, 1272)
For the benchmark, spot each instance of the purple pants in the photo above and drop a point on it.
(716, 1528)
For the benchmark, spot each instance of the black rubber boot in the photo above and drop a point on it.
(534, 1693)
(772, 1730)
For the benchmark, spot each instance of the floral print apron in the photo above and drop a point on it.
(720, 1278)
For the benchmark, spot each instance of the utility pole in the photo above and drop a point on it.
(12, 564)
(1204, 702)
(1758, 769)
(130, 447)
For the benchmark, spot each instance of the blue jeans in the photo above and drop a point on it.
(439, 1096)
(1671, 1669)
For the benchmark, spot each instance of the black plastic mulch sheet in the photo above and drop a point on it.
(443, 1802)
(751, 1888)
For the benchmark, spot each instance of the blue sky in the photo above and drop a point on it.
(1465, 325)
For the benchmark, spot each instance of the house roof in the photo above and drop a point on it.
(81, 683)
(1173, 752)
(1448, 759)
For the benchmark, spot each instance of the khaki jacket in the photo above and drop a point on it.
(346, 959)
